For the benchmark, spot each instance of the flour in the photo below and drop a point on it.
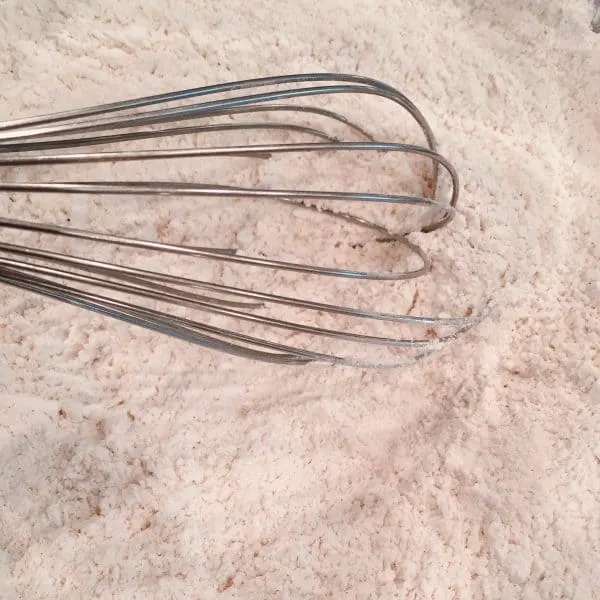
(135, 466)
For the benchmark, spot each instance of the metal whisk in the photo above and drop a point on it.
(245, 320)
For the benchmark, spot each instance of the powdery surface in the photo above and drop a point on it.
(134, 466)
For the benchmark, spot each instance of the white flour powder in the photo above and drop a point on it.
(134, 466)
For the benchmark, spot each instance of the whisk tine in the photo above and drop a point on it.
(73, 138)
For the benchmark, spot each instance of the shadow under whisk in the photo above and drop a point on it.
(258, 306)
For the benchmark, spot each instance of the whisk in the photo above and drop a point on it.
(245, 319)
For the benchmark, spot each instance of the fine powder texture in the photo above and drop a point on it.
(136, 466)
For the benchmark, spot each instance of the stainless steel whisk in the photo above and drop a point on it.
(76, 137)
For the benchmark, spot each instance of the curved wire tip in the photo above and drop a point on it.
(255, 326)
